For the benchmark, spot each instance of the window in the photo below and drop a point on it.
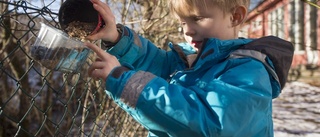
(296, 30)
(276, 26)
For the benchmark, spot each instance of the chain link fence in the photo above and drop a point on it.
(35, 101)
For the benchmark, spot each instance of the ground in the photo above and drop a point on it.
(296, 111)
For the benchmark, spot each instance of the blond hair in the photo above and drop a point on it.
(188, 7)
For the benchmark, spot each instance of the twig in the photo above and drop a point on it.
(311, 3)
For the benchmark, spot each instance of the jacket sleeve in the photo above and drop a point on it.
(135, 50)
(234, 103)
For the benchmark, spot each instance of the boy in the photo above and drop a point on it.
(221, 86)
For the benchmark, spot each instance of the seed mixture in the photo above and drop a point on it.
(80, 30)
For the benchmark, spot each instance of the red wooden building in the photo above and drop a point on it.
(292, 20)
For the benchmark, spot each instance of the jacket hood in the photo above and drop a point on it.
(279, 51)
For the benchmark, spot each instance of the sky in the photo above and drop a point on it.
(55, 5)
(254, 3)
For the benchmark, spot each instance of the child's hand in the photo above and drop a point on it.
(109, 31)
(104, 63)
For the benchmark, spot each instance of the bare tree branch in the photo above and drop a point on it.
(311, 3)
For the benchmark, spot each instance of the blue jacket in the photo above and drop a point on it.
(221, 91)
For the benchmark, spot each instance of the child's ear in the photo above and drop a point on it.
(239, 15)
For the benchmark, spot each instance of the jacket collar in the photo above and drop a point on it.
(215, 50)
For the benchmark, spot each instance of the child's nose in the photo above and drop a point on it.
(189, 31)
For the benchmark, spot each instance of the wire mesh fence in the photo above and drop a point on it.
(35, 101)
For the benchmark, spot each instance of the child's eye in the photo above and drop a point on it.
(198, 18)
(183, 23)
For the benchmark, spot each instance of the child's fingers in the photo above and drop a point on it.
(103, 13)
(100, 3)
(94, 37)
(102, 8)
(97, 74)
(93, 73)
(98, 59)
(98, 8)
(100, 53)
(94, 66)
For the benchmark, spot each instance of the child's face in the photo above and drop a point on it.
(207, 23)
